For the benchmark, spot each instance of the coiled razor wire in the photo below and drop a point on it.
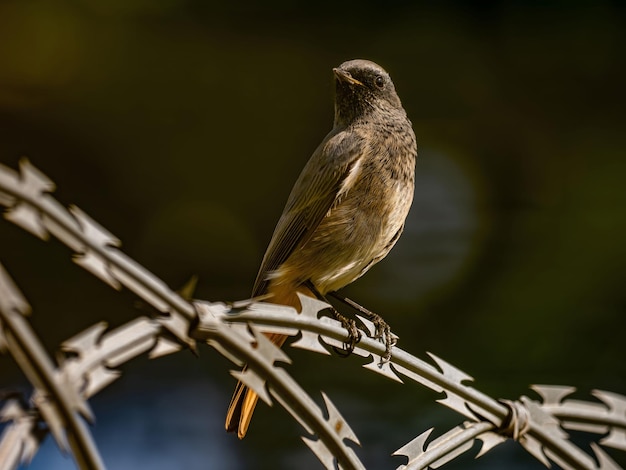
(58, 404)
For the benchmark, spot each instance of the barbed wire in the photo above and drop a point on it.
(90, 359)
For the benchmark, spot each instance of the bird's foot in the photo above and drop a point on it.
(353, 333)
(382, 332)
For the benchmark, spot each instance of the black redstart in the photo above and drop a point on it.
(347, 208)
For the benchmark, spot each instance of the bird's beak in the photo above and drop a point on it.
(344, 76)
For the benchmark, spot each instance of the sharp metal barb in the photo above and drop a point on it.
(608, 416)
(268, 349)
(95, 248)
(446, 447)
(34, 185)
(320, 450)
(553, 394)
(95, 353)
(535, 448)
(605, 462)
(164, 347)
(616, 417)
(338, 423)
(342, 432)
(253, 381)
(382, 367)
(489, 441)
(18, 442)
(5, 199)
(310, 310)
(414, 448)
(85, 372)
(59, 406)
(11, 299)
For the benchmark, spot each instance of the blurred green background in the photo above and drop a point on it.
(180, 126)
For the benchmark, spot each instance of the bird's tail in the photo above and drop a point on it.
(244, 400)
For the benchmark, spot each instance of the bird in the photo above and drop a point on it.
(346, 210)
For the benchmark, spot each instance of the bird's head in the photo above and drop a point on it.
(362, 86)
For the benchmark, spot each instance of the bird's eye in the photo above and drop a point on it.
(380, 81)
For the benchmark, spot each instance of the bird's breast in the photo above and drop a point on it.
(367, 217)
(361, 229)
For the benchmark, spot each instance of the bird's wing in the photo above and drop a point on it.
(313, 195)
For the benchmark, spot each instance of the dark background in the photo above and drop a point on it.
(180, 126)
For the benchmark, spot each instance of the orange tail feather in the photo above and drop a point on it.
(244, 400)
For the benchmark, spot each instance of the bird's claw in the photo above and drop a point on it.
(382, 332)
(354, 335)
